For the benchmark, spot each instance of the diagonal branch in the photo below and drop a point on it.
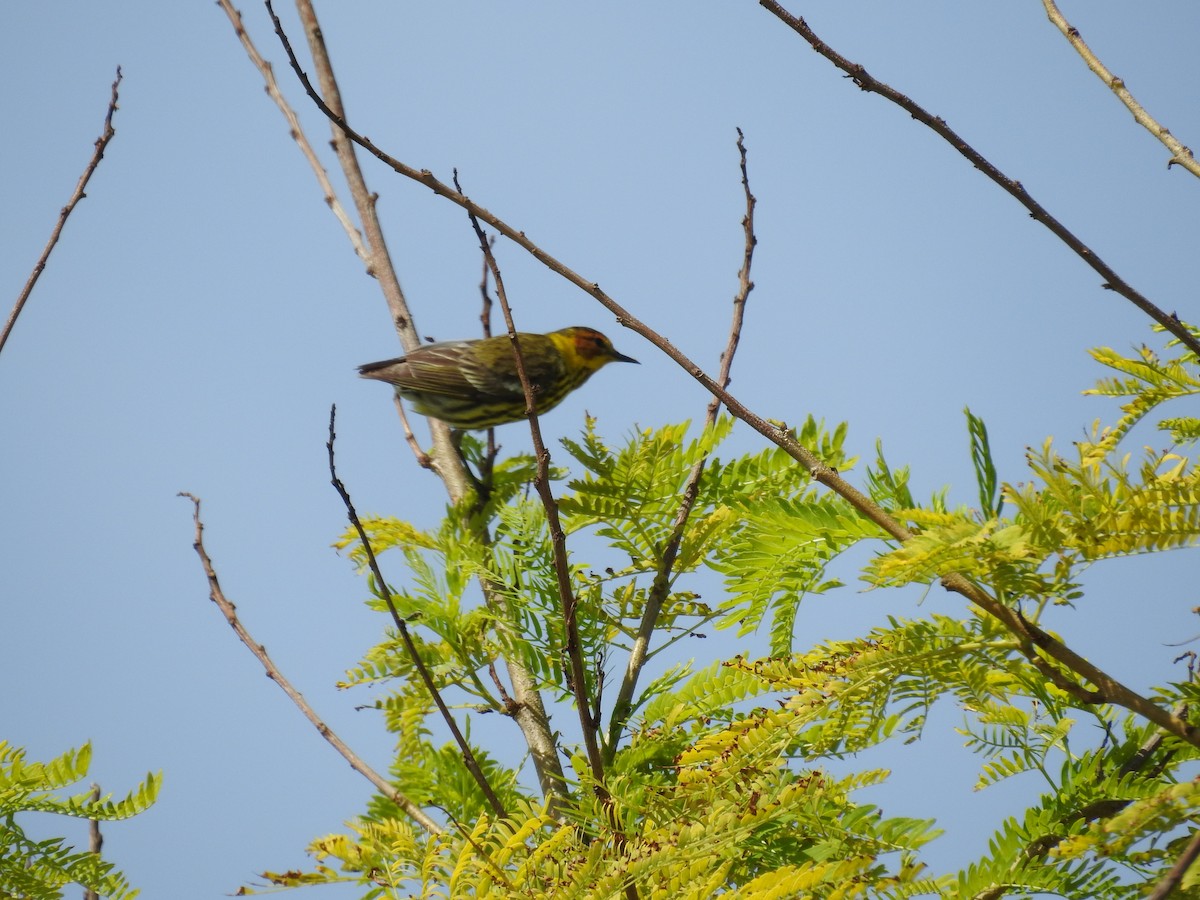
(1180, 155)
(227, 608)
(529, 710)
(40, 265)
(867, 82)
(379, 265)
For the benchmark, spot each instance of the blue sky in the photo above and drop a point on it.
(204, 309)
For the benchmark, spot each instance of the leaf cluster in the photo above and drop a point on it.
(732, 777)
(36, 869)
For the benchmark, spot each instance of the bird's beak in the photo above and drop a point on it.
(621, 357)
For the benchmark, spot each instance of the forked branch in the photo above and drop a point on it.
(297, 131)
(445, 462)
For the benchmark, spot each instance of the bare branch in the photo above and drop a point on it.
(468, 755)
(227, 608)
(97, 155)
(423, 458)
(485, 310)
(297, 131)
(745, 285)
(379, 265)
(867, 82)
(488, 464)
(1180, 155)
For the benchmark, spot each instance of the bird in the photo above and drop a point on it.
(474, 384)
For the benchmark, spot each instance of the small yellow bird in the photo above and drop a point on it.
(474, 384)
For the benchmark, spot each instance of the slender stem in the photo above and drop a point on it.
(1175, 877)
(95, 839)
(588, 720)
(567, 598)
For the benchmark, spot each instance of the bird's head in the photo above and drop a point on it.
(586, 348)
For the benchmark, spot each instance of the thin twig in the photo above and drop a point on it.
(485, 310)
(468, 755)
(745, 285)
(65, 212)
(423, 458)
(860, 76)
(1031, 637)
(661, 586)
(227, 608)
(1180, 155)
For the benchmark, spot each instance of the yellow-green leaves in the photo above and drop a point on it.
(39, 869)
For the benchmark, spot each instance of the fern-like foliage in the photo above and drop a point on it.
(720, 774)
(40, 869)
(1093, 503)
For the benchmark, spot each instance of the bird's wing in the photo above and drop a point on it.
(502, 382)
(435, 368)
(443, 368)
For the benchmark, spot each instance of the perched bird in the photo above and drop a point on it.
(474, 384)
